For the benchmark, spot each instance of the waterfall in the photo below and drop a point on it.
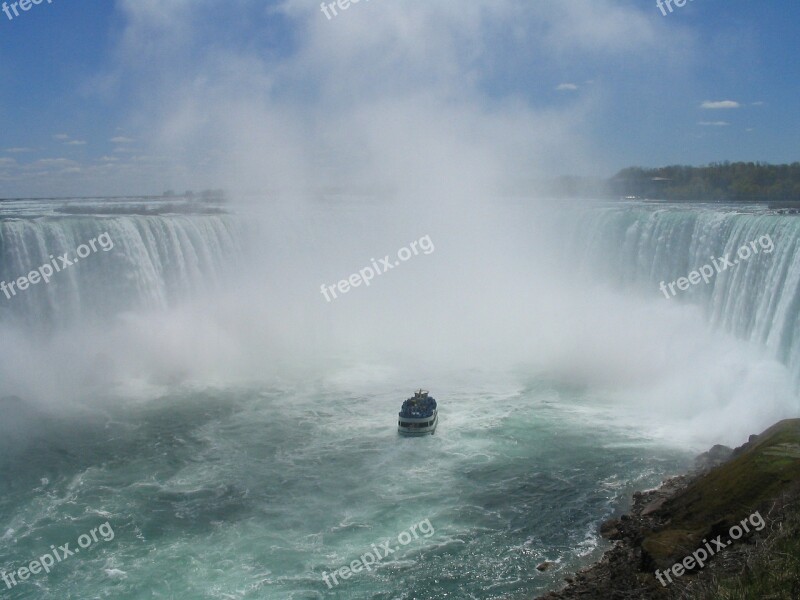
(160, 259)
(639, 246)
(156, 260)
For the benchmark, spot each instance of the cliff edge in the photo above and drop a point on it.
(729, 530)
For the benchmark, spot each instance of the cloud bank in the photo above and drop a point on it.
(391, 96)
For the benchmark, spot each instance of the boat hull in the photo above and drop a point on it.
(414, 427)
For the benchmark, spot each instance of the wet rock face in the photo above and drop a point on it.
(611, 529)
(715, 457)
(665, 525)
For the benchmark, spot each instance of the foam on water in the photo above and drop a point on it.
(255, 493)
(239, 433)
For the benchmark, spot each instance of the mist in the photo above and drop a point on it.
(378, 128)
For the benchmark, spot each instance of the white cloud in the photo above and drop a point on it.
(55, 162)
(714, 123)
(591, 26)
(75, 143)
(388, 92)
(19, 150)
(391, 94)
(712, 104)
(61, 136)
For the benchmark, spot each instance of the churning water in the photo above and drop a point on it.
(193, 389)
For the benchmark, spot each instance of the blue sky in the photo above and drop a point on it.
(138, 96)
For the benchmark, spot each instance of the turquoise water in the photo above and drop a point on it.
(255, 493)
(192, 390)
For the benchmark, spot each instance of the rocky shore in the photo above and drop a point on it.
(670, 523)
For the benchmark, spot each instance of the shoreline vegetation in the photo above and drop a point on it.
(731, 182)
(717, 182)
(668, 524)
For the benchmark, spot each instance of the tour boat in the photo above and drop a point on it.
(419, 415)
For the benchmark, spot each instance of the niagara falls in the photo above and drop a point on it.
(431, 300)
